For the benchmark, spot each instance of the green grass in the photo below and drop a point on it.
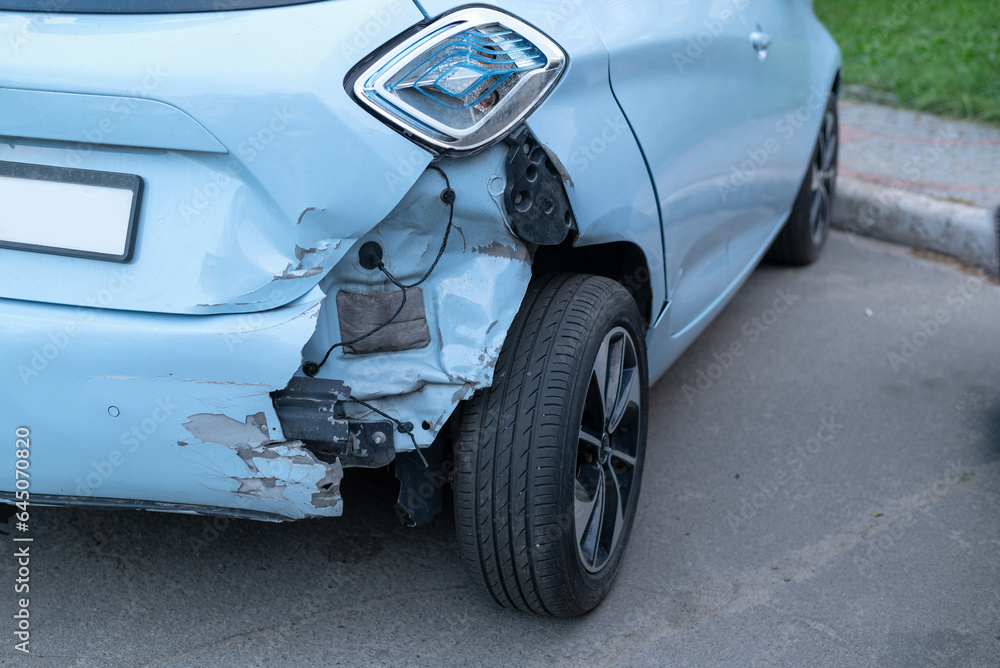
(941, 56)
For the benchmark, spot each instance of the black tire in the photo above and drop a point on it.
(802, 239)
(527, 457)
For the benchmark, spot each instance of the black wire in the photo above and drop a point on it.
(311, 369)
(402, 303)
(447, 231)
(401, 427)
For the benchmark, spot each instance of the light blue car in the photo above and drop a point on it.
(248, 244)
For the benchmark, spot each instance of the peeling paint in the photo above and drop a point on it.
(284, 471)
(301, 252)
(461, 394)
(290, 273)
(289, 472)
(264, 488)
(303, 215)
(218, 370)
(328, 495)
(224, 430)
(498, 249)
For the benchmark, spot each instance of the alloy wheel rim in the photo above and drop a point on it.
(608, 449)
(824, 178)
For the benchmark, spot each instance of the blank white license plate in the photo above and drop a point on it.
(63, 211)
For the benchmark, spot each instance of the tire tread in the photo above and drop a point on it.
(509, 446)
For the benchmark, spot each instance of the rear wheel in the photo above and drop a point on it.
(808, 226)
(549, 459)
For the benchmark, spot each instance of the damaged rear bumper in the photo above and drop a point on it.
(161, 411)
(178, 412)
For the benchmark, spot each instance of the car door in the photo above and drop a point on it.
(787, 108)
(683, 73)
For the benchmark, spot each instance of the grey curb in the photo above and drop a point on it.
(967, 233)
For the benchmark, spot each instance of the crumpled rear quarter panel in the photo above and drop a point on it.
(470, 298)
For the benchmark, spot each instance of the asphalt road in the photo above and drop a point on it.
(831, 497)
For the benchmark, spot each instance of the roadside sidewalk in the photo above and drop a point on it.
(919, 180)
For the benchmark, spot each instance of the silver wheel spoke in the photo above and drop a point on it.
(815, 207)
(629, 396)
(614, 378)
(818, 213)
(589, 514)
(600, 374)
(619, 516)
(593, 442)
(623, 457)
(828, 154)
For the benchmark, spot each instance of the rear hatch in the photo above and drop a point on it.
(223, 140)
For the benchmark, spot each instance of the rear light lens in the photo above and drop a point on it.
(464, 81)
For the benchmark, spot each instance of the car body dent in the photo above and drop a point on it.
(221, 225)
(470, 298)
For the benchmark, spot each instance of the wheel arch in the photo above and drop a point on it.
(622, 261)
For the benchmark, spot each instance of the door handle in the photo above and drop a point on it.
(761, 42)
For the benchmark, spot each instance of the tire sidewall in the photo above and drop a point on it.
(590, 588)
(817, 247)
